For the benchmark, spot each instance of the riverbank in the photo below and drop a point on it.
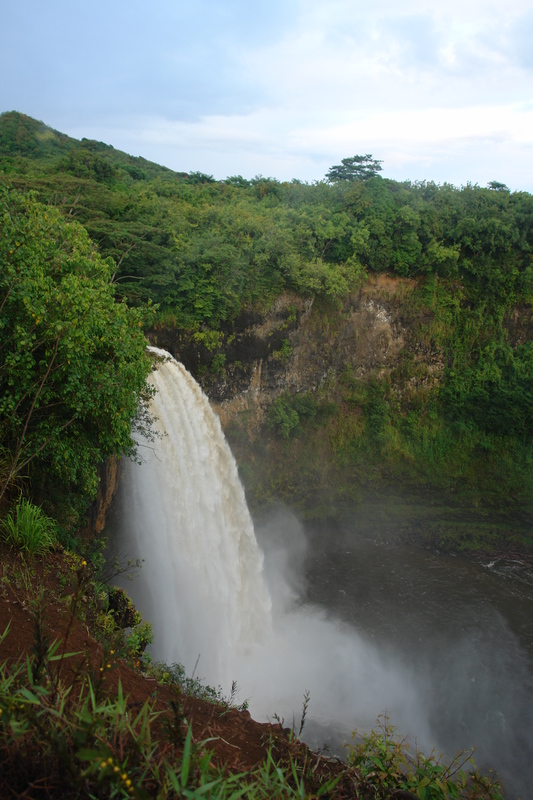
(81, 718)
(47, 620)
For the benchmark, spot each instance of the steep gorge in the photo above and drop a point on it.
(333, 410)
(299, 345)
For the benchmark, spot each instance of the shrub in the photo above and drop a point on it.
(286, 413)
(283, 419)
(385, 760)
(140, 637)
(217, 364)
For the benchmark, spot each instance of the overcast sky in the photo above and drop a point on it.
(440, 91)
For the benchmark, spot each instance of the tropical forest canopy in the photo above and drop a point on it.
(203, 250)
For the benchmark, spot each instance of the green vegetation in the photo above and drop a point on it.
(72, 362)
(60, 729)
(204, 249)
(207, 253)
(27, 528)
(288, 414)
(385, 760)
(356, 167)
(68, 735)
(82, 745)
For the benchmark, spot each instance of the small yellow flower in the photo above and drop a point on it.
(124, 776)
(83, 563)
(109, 760)
(128, 783)
(103, 765)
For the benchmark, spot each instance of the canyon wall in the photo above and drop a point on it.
(299, 347)
(366, 442)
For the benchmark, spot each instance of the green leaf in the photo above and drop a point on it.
(186, 757)
(32, 698)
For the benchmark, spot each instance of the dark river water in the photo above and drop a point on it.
(464, 629)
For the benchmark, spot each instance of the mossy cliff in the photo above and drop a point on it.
(335, 410)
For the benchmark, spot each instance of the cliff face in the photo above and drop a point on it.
(332, 410)
(299, 346)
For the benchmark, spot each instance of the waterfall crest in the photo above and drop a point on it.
(186, 514)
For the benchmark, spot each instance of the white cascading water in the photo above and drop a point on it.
(204, 590)
(187, 514)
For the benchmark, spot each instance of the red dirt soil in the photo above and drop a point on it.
(238, 742)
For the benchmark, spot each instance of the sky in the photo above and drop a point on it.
(437, 91)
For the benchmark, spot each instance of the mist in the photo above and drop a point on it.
(288, 610)
(350, 683)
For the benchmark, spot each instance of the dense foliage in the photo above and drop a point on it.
(385, 760)
(205, 250)
(72, 362)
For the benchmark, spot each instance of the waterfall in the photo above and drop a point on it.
(203, 588)
(207, 593)
(202, 581)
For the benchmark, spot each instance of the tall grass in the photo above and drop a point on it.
(75, 744)
(27, 528)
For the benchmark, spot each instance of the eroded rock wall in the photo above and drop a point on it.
(298, 346)
(375, 351)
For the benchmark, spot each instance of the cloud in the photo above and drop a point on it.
(105, 59)
(520, 39)
(286, 88)
(383, 58)
(476, 144)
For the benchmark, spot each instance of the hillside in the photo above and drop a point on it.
(84, 713)
(264, 290)
(368, 346)
(52, 610)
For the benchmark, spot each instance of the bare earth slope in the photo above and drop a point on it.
(37, 595)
